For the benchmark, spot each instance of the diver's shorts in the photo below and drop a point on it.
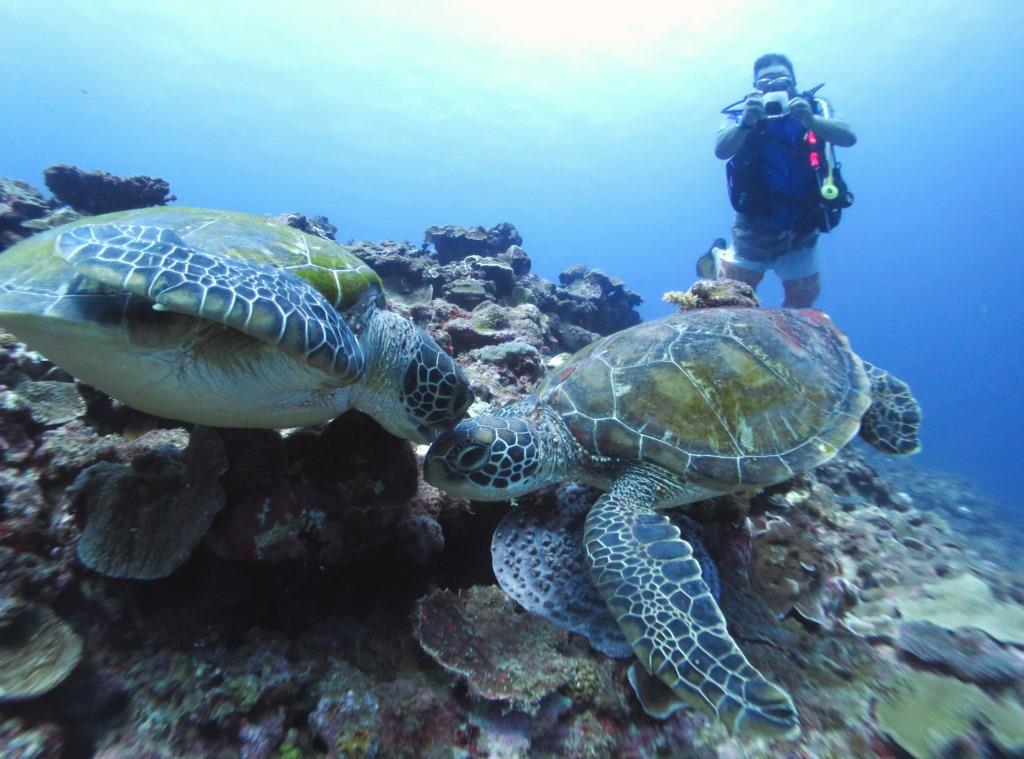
(757, 249)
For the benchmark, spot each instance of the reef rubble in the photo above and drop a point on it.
(307, 594)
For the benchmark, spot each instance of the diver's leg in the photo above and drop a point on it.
(729, 270)
(801, 293)
(798, 271)
(751, 254)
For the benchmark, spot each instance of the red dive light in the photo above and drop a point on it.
(814, 156)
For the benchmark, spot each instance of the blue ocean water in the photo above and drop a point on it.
(590, 127)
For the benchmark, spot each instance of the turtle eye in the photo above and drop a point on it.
(472, 457)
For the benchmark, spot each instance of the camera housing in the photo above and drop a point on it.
(776, 104)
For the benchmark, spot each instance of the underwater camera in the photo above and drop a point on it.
(776, 104)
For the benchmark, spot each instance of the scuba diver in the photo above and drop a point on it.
(784, 183)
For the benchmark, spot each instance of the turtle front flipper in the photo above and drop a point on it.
(652, 584)
(892, 422)
(271, 305)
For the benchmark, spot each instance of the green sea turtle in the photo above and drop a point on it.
(225, 319)
(669, 412)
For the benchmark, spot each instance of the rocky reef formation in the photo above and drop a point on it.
(480, 295)
(308, 594)
(96, 192)
(314, 225)
(24, 210)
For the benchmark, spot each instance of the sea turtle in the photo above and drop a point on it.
(225, 319)
(672, 411)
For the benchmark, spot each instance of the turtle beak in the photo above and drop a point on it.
(431, 433)
(462, 397)
(435, 471)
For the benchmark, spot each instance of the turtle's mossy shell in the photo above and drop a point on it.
(727, 397)
(332, 269)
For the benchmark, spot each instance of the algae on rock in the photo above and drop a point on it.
(37, 651)
(966, 601)
(924, 713)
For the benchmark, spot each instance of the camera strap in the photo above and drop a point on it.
(733, 108)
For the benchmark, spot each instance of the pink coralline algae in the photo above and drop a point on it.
(503, 656)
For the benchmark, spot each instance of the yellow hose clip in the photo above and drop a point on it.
(829, 191)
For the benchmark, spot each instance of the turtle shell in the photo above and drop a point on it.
(33, 265)
(725, 397)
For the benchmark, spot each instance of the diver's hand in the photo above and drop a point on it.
(753, 110)
(800, 110)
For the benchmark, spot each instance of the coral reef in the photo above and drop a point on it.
(143, 519)
(490, 297)
(962, 601)
(708, 293)
(96, 192)
(37, 650)
(592, 300)
(503, 656)
(968, 653)
(338, 606)
(454, 243)
(323, 495)
(314, 225)
(927, 714)
(23, 211)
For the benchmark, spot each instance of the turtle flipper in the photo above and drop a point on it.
(652, 584)
(538, 558)
(893, 420)
(271, 305)
(657, 699)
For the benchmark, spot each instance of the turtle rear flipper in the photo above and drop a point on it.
(652, 584)
(271, 305)
(893, 420)
(657, 699)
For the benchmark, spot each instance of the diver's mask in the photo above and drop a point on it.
(775, 83)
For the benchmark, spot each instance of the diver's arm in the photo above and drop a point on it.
(836, 131)
(833, 130)
(729, 141)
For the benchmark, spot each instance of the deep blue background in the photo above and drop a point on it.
(590, 127)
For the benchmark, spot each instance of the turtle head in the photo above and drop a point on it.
(413, 387)
(486, 458)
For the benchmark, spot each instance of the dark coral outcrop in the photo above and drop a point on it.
(454, 243)
(331, 495)
(96, 192)
(314, 225)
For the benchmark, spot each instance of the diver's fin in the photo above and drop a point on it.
(707, 264)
